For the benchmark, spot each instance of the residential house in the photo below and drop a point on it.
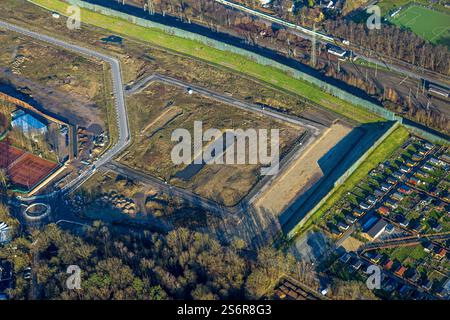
(391, 203)
(405, 189)
(390, 228)
(405, 169)
(435, 162)
(392, 180)
(350, 219)
(401, 271)
(364, 206)
(422, 174)
(357, 212)
(375, 230)
(389, 264)
(428, 146)
(414, 181)
(427, 285)
(343, 226)
(404, 223)
(427, 167)
(445, 158)
(428, 247)
(398, 175)
(384, 211)
(371, 200)
(440, 253)
(397, 196)
(378, 193)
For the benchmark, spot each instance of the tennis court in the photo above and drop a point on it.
(24, 170)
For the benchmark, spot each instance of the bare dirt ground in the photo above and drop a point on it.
(140, 59)
(351, 244)
(302, 173)
(62, 82)
(160, 109)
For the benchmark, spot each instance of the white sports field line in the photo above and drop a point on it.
(439, 33)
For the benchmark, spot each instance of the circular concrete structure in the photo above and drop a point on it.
(37, 211)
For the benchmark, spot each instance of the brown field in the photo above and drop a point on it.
(302, 173)
(8, 154)
(68, 85)
(24, 169)
(160, 109)
(50, 66)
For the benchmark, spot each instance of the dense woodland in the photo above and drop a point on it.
(181, 264)
(393, 42)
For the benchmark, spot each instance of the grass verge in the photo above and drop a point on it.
(233, 61)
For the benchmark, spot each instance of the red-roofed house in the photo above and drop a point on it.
(401, 271)
(388, 265)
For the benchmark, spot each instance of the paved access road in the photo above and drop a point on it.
(124, 140)
(193, 199)
(119, 97)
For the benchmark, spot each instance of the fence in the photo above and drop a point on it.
(343, 178)
(335, 91)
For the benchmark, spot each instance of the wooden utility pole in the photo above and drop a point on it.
(313, 48)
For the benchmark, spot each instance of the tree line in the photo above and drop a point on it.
(182, 264)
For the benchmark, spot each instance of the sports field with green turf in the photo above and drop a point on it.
(429, 24)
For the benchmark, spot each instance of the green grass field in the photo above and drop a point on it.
(414, 253)
(429, 24)
(387, 6)
(273, 76)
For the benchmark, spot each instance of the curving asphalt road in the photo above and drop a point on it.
(314, 129)
(119, 97)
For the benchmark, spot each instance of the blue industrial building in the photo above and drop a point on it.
(28, 124)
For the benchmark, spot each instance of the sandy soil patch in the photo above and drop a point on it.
(351, 244)
(301, 173)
